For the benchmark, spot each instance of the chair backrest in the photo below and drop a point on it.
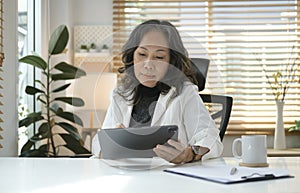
(219, 106)
(200, 66)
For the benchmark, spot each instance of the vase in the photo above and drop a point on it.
(279, 133)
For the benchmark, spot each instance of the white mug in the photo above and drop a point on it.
(254, 149)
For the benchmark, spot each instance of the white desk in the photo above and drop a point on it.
(39, 175)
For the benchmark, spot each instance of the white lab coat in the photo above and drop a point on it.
(187, 111)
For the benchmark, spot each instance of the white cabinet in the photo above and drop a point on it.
(94, 62)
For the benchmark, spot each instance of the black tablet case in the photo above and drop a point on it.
(117, 143)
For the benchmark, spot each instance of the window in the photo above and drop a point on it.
(241, 38)
(27, 41)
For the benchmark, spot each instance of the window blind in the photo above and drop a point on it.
(245, 41)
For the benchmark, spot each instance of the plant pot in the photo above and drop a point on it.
(83, 50)
(105, 50)
(279, 133)
(93, 50)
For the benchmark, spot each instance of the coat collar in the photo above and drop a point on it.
(162, 104)
(160, 108)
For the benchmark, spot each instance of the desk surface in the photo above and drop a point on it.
(39, 175)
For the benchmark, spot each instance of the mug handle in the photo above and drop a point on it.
(234, 144)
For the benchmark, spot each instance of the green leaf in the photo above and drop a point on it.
(40, 82)
(75, 101)
(40, 99)
(61, 88)
(71, 129)
(32, 90)
(42, 151)
(297, 122)
(70, 117)
(31, 118)
(54, 108)
(38, 136)
(27, 146)
(67, 68)
(64, 76)
(43, 133)
(44, 128)
(74, 145)
(58, 40)
(32, 153)
(293, 128)
(34, 60)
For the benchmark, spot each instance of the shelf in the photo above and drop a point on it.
(92, 54)
(289, 152)
(93, 61)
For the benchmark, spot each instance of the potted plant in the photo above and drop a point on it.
(279, 83)
(93, 47)
(52, 116)
(105, 48)
(83, 48)
(296, 127)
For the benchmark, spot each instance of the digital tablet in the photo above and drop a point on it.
(118, 143)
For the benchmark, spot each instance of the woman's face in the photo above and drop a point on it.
(151, 58)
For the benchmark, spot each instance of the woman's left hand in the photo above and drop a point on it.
(175, 153)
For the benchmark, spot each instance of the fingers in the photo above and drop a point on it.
(176, 144)
(167, 153)
(169, 150)
(184, 157)
(177, 153)
(120, 125)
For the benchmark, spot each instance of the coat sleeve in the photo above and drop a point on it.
(112, 117)
(200, 127)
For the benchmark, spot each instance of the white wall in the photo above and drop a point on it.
(9, 83)
(92, 12)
